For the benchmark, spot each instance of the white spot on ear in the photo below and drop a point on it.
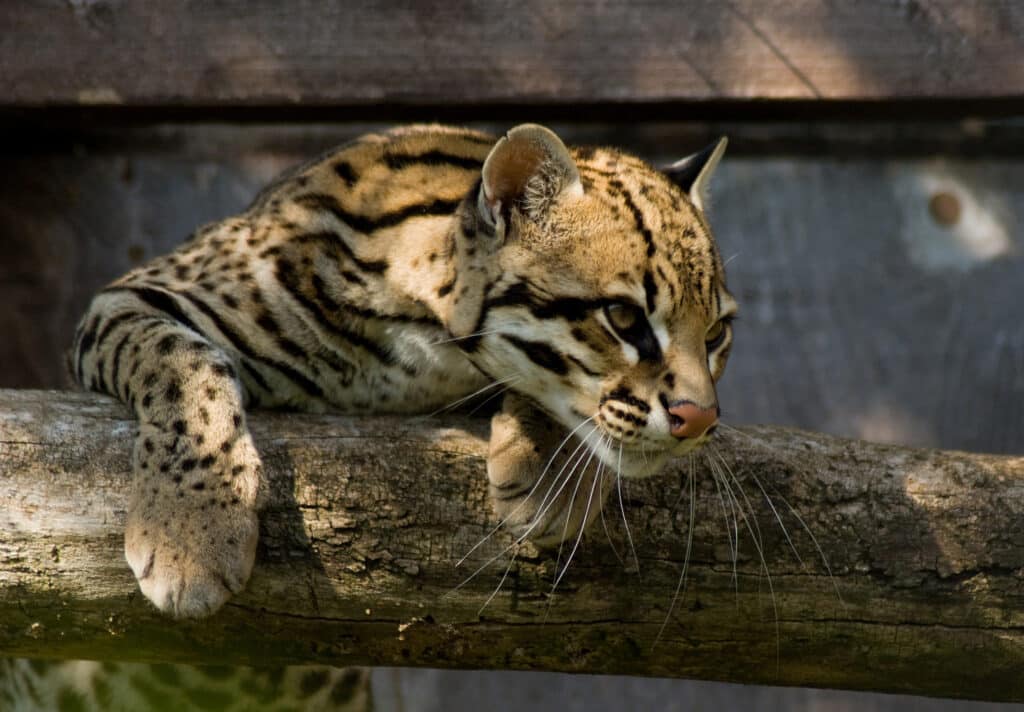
(699, 193)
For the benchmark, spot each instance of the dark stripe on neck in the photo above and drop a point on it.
(367, 225)
(316, 308)
(333, 243)
(397, 161)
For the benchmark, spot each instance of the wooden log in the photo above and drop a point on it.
(923, 591)
(247, 53)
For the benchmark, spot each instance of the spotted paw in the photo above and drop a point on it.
(544, 487)
(192, 524)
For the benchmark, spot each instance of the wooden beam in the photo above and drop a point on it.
(267, 53)
(368, 517)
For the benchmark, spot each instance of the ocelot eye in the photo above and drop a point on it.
(624, 318)
(716, 334)
(630, 324)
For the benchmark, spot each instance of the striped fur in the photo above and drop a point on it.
(397, 275)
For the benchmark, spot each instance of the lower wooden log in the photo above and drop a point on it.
(814, 561)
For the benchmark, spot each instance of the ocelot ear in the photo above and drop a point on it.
(693, 173)
(526, 170)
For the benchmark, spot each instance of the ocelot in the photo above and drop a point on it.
(397, 274)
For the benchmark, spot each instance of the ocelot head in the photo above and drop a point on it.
(591, 283)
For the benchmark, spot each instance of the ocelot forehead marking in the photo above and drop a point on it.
(677, 262)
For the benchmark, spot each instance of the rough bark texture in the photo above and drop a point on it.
(246, 52)
(367, 518)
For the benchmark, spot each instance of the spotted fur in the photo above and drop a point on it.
(397, 274)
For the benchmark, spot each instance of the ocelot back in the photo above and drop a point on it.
(398, 274)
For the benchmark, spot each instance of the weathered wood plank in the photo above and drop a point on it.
(245, 52)
(357, 561)
(863, 314)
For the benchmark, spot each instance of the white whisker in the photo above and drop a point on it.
(751, 525)
(814, 540)
(474, 335)
(746, 500)
(579, 536)
(604, 524)
(488, 399)
(729, 531)
(515, 543)
(568, 517)
(622, 508)
(543, 508)
(775, 511)
(501, 583)
(681, 585)
(536, 519)
(528, 494)
(792, 510)
(460, 401)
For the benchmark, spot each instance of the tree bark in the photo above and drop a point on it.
(912, 581)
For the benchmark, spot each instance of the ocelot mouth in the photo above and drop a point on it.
(639, 460)
(632, 460)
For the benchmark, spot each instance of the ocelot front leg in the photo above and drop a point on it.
(545, 485)
(192, 524)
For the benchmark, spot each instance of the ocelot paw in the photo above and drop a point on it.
(192, 523)
(544, 486)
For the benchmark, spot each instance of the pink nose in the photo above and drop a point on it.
(689, 420)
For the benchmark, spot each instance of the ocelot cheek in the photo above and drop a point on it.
(537, 357)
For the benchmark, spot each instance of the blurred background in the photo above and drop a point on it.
(869, 208)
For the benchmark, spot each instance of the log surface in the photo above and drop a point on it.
(267, 53)
(368, 517)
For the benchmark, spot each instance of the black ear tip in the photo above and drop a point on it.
(705, 153)
(685, 172)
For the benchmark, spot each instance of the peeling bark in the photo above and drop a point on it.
(367, 518)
